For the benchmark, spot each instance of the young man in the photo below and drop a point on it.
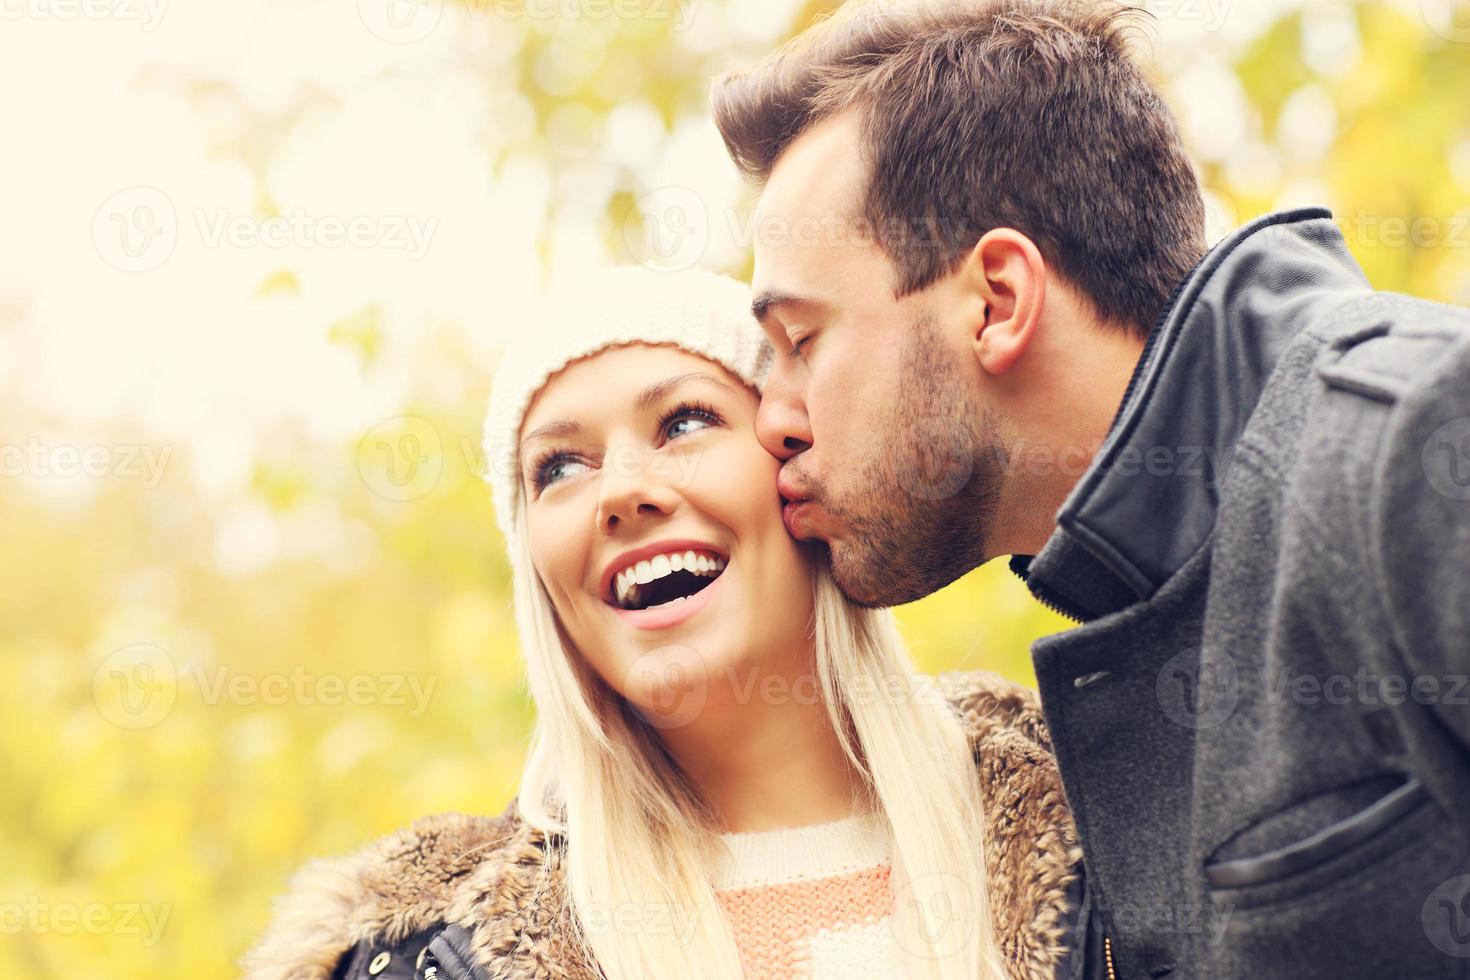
(1246, 475)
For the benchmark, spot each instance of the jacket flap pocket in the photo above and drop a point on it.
(1322, 846)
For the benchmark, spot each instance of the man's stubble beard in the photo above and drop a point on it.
(919, 513)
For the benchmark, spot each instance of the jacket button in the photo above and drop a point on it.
(379, 964)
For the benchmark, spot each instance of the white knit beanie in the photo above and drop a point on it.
(702, 312)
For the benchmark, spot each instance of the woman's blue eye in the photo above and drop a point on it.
(557, 465)
(551, 469)
(674, 427)
(704, 415)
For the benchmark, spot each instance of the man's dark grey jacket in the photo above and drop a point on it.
(1263, 722)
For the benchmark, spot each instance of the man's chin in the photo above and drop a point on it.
(873, 581)
(864, 584)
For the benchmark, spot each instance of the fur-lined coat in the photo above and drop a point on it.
(456, 897)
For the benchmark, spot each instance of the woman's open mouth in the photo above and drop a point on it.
(666, 588)
(666, 578)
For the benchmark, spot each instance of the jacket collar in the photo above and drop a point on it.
(1149, 498)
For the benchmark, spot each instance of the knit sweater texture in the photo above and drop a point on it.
(813, 901)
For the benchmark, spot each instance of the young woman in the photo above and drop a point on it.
(734, 772)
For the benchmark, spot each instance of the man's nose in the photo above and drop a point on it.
(781, 422)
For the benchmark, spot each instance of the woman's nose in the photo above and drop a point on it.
(633, 490)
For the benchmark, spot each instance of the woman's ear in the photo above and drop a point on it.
(1007, 273)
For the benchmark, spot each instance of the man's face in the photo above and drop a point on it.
(874, 404)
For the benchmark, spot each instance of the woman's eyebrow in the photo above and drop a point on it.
(646, 398)
(659, 389)
(560, 428)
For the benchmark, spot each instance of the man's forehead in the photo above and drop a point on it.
(820, 175)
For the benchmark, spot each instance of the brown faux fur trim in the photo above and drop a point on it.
(494, 873)
(1031, 847)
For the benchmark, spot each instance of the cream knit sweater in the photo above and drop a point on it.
(812, 901)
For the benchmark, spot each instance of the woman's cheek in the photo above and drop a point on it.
(555, 561)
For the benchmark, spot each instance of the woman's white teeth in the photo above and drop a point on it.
(643, 572)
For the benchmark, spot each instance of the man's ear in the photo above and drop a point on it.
(1007, 273)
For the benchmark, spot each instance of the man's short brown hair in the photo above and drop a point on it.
(1025, 114)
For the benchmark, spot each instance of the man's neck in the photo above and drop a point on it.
(1152, 495)
(1067, 400)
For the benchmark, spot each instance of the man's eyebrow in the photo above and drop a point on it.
(768, 299)
(659, 389)
(552, 429)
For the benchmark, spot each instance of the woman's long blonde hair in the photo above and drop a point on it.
(636, 840)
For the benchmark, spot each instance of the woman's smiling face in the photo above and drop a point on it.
(645, 483)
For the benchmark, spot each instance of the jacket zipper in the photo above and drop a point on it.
(1044, 596)
(435, 970)
(1054, 603)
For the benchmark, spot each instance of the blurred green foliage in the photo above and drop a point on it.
(166, 833)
